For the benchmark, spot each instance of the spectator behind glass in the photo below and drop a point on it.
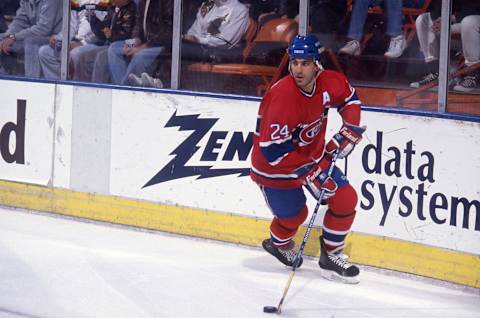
(117, 26)
(394, 16)
(7, 11)
(34, 23)
(214, 36)
(466, 22)
(326, 17)
(81, 39)
(218, 28)
(152, 35)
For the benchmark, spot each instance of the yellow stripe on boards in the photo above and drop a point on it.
(381, 252)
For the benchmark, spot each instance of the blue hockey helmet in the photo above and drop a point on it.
(305, 47)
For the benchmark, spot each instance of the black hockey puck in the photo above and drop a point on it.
(270, 309)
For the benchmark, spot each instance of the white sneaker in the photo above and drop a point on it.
(134, 80)
(351, 48)
(151, 81)
(398, 44)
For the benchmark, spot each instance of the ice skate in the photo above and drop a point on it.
(286, 255)
(334, 266)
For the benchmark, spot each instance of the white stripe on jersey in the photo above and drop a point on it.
(351, 94)
(277, 161)
(275, 176)
(353, 102)
(271, 142)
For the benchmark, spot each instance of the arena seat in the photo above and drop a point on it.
(276, 31)
(248, 37)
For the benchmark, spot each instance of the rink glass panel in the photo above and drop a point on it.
(380, 81)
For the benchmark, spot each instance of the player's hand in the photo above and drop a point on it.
(345, 140)
(318, 179)
(317, 169)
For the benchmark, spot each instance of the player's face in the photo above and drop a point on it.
(303, 72)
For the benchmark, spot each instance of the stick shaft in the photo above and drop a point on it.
(305, 237)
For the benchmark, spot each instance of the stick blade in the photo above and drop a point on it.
(270, 309)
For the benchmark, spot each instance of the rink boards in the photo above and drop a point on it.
(179, 162)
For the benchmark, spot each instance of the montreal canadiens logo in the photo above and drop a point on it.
(309, 132)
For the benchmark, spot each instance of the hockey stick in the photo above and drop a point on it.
(296, 260)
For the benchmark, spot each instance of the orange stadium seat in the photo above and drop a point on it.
(281, 31)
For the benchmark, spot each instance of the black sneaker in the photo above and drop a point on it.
(427, 79)
(467, 84)
(336, 267)
(286, 256)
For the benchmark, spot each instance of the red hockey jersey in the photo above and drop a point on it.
(291, 126)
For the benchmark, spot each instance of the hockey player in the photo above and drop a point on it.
(290, 152)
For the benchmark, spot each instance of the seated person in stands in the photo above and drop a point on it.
(394, 17)
(214, 36)
(116, 26)
(218, 28)
(7, 11)
(466, 22)
(152, 35)
(81, 39)
(34, 23)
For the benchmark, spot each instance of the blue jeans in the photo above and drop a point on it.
(392, 11)
(141, 62)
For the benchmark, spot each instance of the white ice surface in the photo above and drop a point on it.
(58, 267)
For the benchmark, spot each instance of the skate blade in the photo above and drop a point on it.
(333, 276)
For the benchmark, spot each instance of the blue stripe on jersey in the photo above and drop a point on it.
(257, 126)
(353, 98)
(274, 152)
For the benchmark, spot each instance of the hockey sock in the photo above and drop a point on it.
(282, 230)
(335, 229)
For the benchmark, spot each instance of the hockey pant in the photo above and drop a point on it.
(290, 211)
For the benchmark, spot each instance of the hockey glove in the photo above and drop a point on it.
(345, 140)
(317, 179)
(320, 180)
